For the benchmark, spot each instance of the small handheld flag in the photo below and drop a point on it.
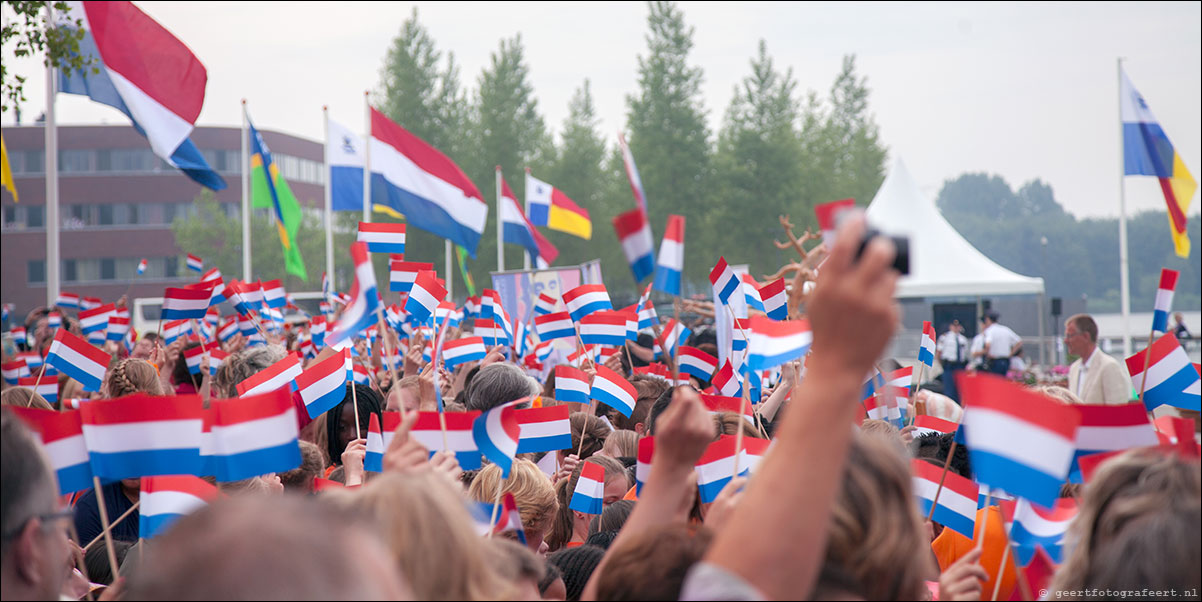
(589, 495)
(1164, 300)
(775, 299)
(544, 429)
(926, 349)
(1171, 379)
(166, 499)
(382, 237)
(723, 280)
(671, 257)
(571, 385)
(142, 266)
(496, 433)
(586, 299)
(195, 263)
(634, 234)
(614, 391)
(78, 359)
(956, 507)
(323, 384)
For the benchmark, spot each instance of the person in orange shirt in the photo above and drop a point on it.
(950, 546)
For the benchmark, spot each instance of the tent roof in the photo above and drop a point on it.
(942, 262)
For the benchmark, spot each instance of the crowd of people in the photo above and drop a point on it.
(828, 513)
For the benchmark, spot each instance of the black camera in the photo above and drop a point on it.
(901, 261)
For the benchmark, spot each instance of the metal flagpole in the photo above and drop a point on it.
(325, 120)
(1124, 276)
(52, 221)
(245, 198)
(366, 156)
(500, 249)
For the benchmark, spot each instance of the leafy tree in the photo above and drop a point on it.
(668, 131)
(24, 31)
(579, 170)
(858, 158)
(758, 166)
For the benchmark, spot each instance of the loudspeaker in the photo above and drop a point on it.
(986, 305)
(1056, 306)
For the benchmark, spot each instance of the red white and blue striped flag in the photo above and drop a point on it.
(360, 312)
(195, 263)
(1171, 379)
(78, 359)
(1164, 300)
(671, 257)
(143, 435)
(166, 499)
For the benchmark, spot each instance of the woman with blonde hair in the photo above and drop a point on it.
(532, 492)
(23, 397)
(874, 550)
(1137, 527)
(130, 376)
(429, 531)
(621, 444)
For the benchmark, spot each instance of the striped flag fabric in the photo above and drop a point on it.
(276, 376)
(360, 312)
(556, 325)
(460, 438)
(274, 295)
(642, 467)
(603, 328)
(828, 218)
(166, 499)
(118, 328)
(323, 384)
(142, 435)
(175, 329)
(613, 390)
(67, 300)
(54, 320)
(956, 506)
(492, 333)
(496, 433)
(414, 179)
(726, 382)
(1164, 300)
(773, 343)
(775, 299)
(382, 237)
(33, 361)
(926, 348)
(1018, 440)
(96, 319)
(14, 370)
(61, 435)
(509, 519)
(647, 315)
(467, 349)
(544, 429)
(78, 359)
(696, 362)
(671, 336)
(671, 257)
(751, 293)
(723, 280)
(213, 274)
(90, 303)
(1107, 428)
(216, 359)
(18, 334)
(550, 207)
(373, 458)
(924, 424)
(545, 304)
(716, 465)
(586, 299)
(142, 266)
(516, 229)
(424, 296)
(584, 356)
(589, 495)
(1033, 527)
(571, 385)
(721, 403)
(1171, 378)
(194, 356)
(228, 329)
(195, 263)
(185, 303)
(632, 174)
(638, 245)
(255, 435)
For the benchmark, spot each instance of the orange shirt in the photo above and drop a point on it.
(950, 546)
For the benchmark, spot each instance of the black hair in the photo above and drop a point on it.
(935, 446)
(577, 565)
(369, 403)
(180, 373)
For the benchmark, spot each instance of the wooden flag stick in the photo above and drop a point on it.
(392, 368)
(492, 522)
(442, 419)
(676, 344)
(104, 523)
(943, 476)
(355, 403)
(739, 432)
(984, 523)
(114, 524)
(1001, 569)
(582, 347)
(1143, 382)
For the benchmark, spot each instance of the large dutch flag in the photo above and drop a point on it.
(146, 73)
(414, 179)
(254, 435)
(142, 435)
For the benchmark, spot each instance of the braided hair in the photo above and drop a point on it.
(130, 376)
(369, 403)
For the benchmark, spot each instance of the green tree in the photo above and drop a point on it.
(668, 131)
(508, 131)
(858, 160)
(758, 164)
(421, 92)
(25, 33)
(578, 170)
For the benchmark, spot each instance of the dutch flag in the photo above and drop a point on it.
(142, 266)
(1171, 380)
(589, 495)
(142, 435)
(425, 296)
(955, 502)
(926, 349)
(775, 299)
(67, 300)
(924, 424)
(571, 385)
(726, 382)
(323, 385)
(603, 328)
(193, 357)
(274, 295)
(492, 333)
(586, 299)
(1111, 428)
(185, 303)
(365, 300)
(544, 429)
(671, 257)
(96, 320)
(468, 349)
(1032, 527)
(717, 464)
(545, 304)
(276, 376)
(78, 359)
(166, 499)
(751, 293)
(61, 434)
(556, 325)
(382, 237)
(460, 438)
(195, 263)
(773, 343)
(175, 329)
(697, 363)
(255, 435)
(717, 404)
(1164, 300)
(614, 391)
(642, 467)
(723, 280)
(634, 233)
(496, 433)
(216, 359)
(828, 218)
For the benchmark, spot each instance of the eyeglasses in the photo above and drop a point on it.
(47, 518)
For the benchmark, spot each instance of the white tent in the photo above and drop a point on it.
(942, 263)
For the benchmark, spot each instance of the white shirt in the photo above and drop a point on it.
(1000, 340)
(1085, 364)
(947, 347)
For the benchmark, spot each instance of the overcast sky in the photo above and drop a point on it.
(1021, 90)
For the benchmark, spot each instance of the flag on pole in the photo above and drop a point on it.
(460, 438)
(671, 257)
(424, 296)
(401, 273)
(467, 349)
(382, 237)
(545, 304)
(185, 303)
(146, 73)
(776, 300)
(1148, 152)
(589, 495)
(634, 234)
(142, 435)
(254, 435)
(613, 390)
(414, 179)
(723, 280)
(496, 433)
(67, 300)
(96, 320)
(751, 293)
(516, 229)
(142, 266)
(78, 359)
(195, 263)
(696, 362)
(1164, 300)
(726, 382)
(571, 385)
(344, 156)
(926, 348)
(166, 499)
(361, 311)
(956, 508)
(586, 299)
(1171, 379)
(61, 435)
(269, 190)
(773, 343)
(550, 207)
(603, 328)
(828, 218)
(276, 376)
(632, 174)
(1106, 428)
(544, 429)
(1032, 527)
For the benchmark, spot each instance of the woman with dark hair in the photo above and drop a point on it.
(340, 420)
(184, 381)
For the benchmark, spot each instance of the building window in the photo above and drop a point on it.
(105, 215)
(108, 269)
(35, 216)
(10, 217)
(77, 161)
(69, 270)
(37, 271)
(171, 265)
(133, 214)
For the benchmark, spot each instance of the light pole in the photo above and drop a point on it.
(1043, 273)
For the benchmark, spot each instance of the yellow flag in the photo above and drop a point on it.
(6, 170)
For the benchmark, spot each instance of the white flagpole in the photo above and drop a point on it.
(52, 221)
(449, 272)
(526, 210)
(246, 217)
(325, 120)
(366, 156)
(1124, 275)
(500, 249)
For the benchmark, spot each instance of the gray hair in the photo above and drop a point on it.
(498, 384)
(243, 365)
(27, 484)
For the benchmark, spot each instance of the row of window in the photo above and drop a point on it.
(79, 217)
(106, 268)
(137, 161)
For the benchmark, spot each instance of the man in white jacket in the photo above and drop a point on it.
(1095, 377)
